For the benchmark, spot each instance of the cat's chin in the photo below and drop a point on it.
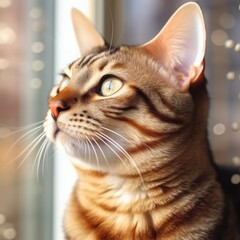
(71, 145)
(86, 160)
(88, 154)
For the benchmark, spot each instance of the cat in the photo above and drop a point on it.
(133, 120)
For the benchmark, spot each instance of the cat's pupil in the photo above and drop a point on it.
(109, 85)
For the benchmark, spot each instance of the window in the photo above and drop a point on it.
(26, 76)
(36, 43)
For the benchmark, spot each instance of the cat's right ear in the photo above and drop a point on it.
(87, 36)
(180, 46)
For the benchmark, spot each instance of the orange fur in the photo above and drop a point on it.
(141, 153)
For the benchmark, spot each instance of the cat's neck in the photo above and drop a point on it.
(160, 184)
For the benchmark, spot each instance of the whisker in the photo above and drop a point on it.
(112, 28)
(112, 131)
(27, 126)
(149, 149)
(100, 138)
(40, 154)
(45, 156)
(121, 149)
(85, 149)
(24, 150)
(101, 151)
(32, 145)
(40, 148)
(117, 145)
(89, 151)
(27, 134)
(21, 129)
(94, 150)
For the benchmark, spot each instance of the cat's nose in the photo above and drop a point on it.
(56, 107)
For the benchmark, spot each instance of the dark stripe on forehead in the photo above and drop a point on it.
(94, 59)
(86, 60)
(100, 55)
(90, 59)
(81, 61)
(71, 64)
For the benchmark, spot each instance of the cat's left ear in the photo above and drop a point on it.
(87, 36)
(180, 46)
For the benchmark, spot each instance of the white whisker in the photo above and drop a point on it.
(45, 156)
(89, 151)
(112, 131)
(32, 145)
(85, 149)
(112, 28)
(101, 151)
(39, 155)
(100, 138)
(15, 130)
(27, 134)
(149, 149)
(29, 145)
(96, 156)
(121, 149)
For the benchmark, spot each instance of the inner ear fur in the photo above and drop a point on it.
(180, 45)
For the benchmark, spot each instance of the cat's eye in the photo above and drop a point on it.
(64, 82)
(110, 86)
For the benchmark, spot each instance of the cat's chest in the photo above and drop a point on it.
(117, 194)
(112, 207)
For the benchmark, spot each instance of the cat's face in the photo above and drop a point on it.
(113, 104)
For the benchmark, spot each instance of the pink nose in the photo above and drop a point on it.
(56, 107)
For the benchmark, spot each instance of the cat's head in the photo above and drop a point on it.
(117, 103)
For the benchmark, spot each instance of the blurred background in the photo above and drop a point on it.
(36, 43)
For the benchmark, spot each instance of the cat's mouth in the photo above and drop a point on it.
(91, 151)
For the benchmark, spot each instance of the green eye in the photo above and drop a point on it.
(110, 86)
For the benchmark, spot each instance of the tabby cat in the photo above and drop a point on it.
(133, 121)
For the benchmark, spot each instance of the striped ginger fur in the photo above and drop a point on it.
(133, 121)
